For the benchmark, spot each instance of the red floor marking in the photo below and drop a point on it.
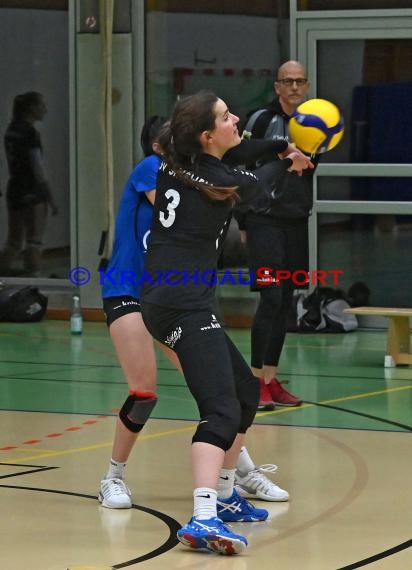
(73, 428)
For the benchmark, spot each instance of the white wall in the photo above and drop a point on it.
(214, 42)
(233, 41)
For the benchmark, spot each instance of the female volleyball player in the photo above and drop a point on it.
(121, 292)
(195, 195)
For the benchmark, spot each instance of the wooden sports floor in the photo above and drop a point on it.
(345, 457)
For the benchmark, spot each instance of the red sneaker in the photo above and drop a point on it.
(265, 400)
(280, 396)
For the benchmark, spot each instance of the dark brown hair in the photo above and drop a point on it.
(181, 145)
(150, 133)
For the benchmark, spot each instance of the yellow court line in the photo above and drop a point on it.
(49, 454)
(318, 347)
(367, 395)
(334, 401)
(284, 410)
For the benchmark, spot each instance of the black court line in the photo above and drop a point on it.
(34, 469)
(166, 368)
(49, 370)
(261, 420)
(399, 547)
(31, 377)
(34, 376)
(355, 413)
(69, 364)
(171, 523)
(343, 376)
(379, 556)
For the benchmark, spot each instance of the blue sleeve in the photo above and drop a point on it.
(144, 175)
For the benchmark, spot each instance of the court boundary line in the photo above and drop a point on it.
(172, 524)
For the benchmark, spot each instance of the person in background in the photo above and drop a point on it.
(275, 231)
(28, 192)
(195, 195)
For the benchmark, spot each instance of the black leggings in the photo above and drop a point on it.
(217, 375)
(270, 325)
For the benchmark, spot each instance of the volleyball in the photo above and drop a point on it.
(316, 126)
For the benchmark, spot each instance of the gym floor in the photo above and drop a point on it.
(344, 456)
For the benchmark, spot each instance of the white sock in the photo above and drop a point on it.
(226, 483)
(116, 470)
(204, 503)
(244, 462)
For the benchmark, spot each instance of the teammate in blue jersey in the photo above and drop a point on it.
(122, 275)
(121, 293)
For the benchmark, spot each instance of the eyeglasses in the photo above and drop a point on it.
(288, 81)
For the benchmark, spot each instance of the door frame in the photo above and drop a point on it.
(307, 28)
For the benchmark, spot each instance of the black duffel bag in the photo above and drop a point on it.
(21, 304)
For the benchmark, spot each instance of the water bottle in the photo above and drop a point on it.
(76, 319)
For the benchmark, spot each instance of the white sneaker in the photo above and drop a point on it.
(114, 494)
(256, 483)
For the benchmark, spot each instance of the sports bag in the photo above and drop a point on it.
(321, 311)
(22, 304)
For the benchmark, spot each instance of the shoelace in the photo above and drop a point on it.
(217, 526)
(267, 468)
(260, 480)
(117, 487)
(233, 507)
(236, 506)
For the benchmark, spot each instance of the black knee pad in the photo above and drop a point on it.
(219, 424)
(137, 409)
(248, 393)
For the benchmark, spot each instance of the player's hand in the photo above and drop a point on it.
(288, 150)
(243, 237)
(296, 155)
(300, 162)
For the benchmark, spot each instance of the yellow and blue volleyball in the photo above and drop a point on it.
(316, 126)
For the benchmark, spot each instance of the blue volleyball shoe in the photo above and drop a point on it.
(238, 509)
(211, 535)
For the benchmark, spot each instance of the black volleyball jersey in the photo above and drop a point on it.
(188, 230)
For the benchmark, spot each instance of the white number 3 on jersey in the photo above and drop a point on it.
(174, 197)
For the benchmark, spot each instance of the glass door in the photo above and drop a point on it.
(362, 217)
(34, 127)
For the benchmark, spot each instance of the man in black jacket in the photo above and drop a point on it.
(275, 230)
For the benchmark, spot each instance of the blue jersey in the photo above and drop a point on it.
(133, 222)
